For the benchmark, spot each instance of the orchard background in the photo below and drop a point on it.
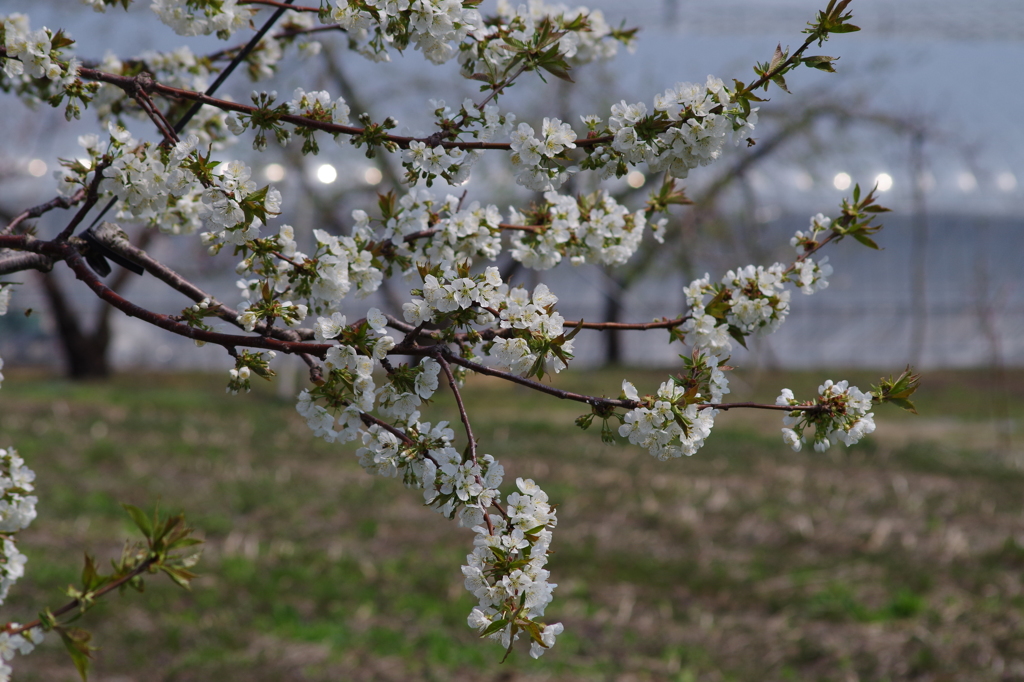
(898, 558)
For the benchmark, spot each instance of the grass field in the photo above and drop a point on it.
(897, 559)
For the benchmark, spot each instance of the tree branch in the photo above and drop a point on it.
(76, 603)
(403, 142)
(439, 356)
(70, 255)
(36, 211)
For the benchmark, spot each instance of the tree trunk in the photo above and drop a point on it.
(612, 312)
(86, 353)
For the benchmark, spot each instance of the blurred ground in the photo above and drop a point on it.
(897, 559)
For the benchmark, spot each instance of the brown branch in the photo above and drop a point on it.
(536, 385)
(25, 261)
(126, 82)
(795, 57)
(70, 255)
(76, 603)
(36, 211)
(370, 420)
(758, 406)
(91, 196)
(604, 326)
(159, 120)
(806, 254)
(109, 235)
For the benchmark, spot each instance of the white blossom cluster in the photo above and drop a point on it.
(839, 414)
(532, 319)
(534, 326)
(17, 511)
(534, 158)
(453, 164)
(17, 644)
(689, 127)
(506, 570)
(318, 105)
(756, 301)
(35, 69)
(457, 235)
(290, 313)
(749, 300)
(665, 424)
(398, 400)
(586, 36)
(222, 201)
(189, 18)
(339, 264)
(594, 229)
(510, 598)
(811, 276)
(31, 53)
(434, 27)
(376, 340)
(759, 301)
(156, 186)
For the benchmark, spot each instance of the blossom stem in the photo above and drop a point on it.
(439, 356)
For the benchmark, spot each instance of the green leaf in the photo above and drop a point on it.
(820, 62)
(494, 627)
(533, 629)
(47, 619)
(184, 542)
(865, 240)
(76, 641)
(781, 82)
(140, 519)
(736, 334)
(575, 330)
(898, 390)
(180, 576)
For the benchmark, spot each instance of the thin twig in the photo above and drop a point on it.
(458, 401)
(76, 603)
(36, 211)
(369, 420)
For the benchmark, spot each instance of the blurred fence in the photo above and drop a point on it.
(950, 297)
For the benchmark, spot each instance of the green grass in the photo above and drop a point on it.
(899, 558)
